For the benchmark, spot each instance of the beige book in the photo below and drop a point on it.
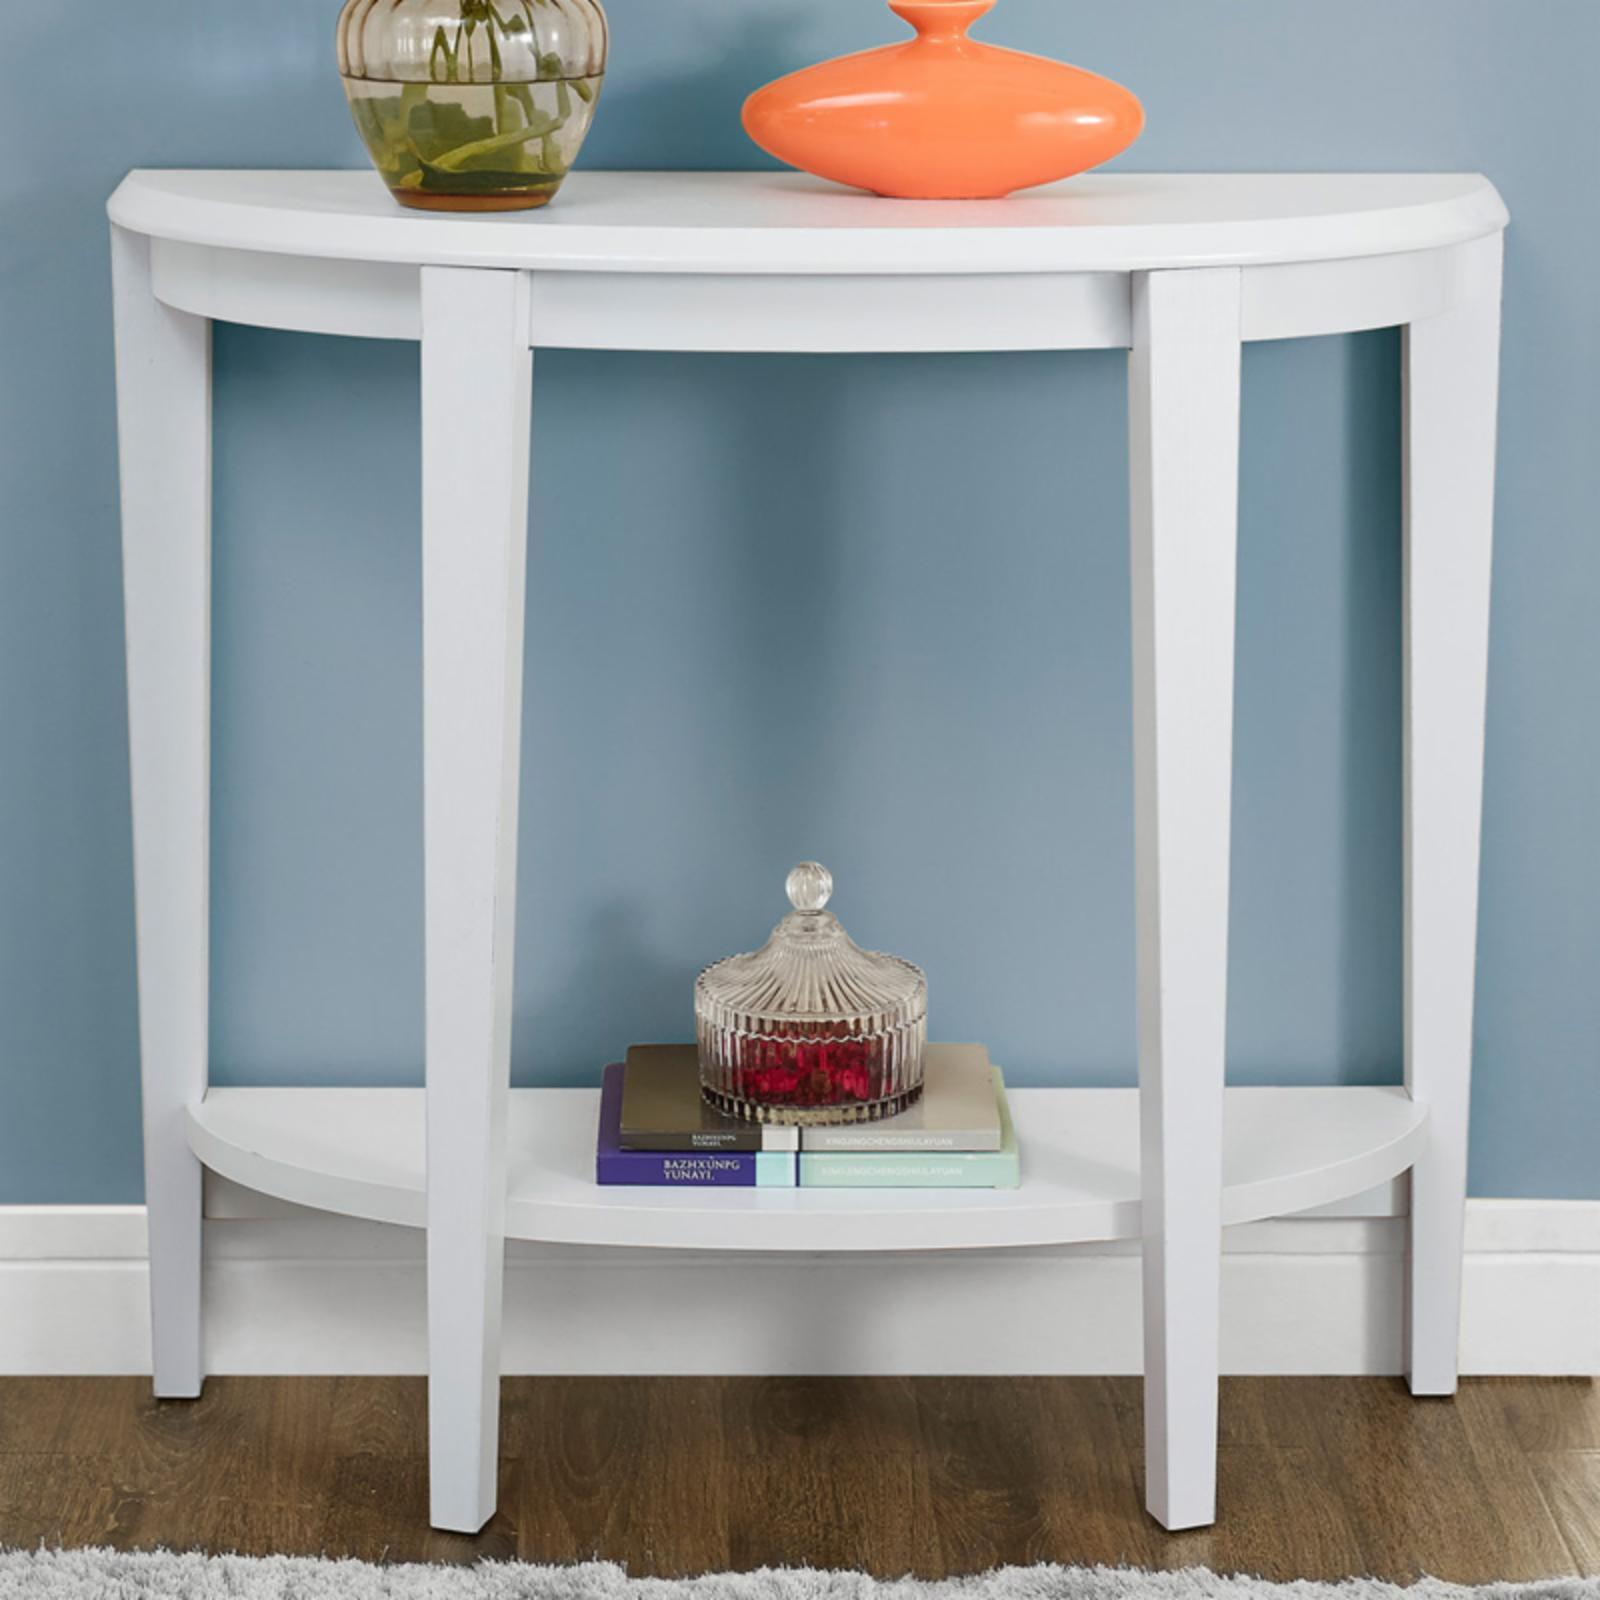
(662, 1109)
(959, 1110)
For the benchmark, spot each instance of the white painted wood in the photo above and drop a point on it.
(1184, 435)
(1451, 367)
(476, 393)
(1327, 297)
(73, 1233)
(164, 435)
(305, 1293)
(227, 1199)
(360, 1151)
(1179, 268)
(830, 314)
(778, 262)
(1549, 1227)
(304, 294)
(816, 314)
(787, 222)
(1389, 1199)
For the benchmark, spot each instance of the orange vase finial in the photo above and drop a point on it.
(941, 19)
(943, 116)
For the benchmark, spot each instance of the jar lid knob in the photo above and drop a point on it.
(809, 886)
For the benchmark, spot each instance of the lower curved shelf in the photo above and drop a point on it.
(360, 1152)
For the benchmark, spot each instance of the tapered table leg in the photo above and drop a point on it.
(476, 392)
(1184, 415)
(164, 439)
(1451, 383)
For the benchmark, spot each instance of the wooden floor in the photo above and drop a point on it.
(1320, 1478)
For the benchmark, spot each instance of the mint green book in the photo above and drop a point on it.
(922, 1169)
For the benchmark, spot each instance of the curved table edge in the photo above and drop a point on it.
(142, 206)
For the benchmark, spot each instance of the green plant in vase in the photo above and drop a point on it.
(472, 105)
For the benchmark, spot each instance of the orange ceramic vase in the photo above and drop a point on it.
(942, 117)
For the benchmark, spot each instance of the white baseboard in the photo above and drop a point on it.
(300, 1292)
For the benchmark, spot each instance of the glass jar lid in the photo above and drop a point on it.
(811, 978)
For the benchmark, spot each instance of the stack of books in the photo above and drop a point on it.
(656, 1129)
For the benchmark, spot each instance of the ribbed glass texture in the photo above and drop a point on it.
(811, 1028)
(472, 105)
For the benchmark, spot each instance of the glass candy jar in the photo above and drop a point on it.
(472, 105)
(810, 1028)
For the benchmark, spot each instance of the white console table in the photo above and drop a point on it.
(1178, 270)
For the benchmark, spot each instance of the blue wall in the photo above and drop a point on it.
(873, 611)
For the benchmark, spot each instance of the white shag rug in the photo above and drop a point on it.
(93, 1574)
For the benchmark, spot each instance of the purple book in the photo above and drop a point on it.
(754, 1169)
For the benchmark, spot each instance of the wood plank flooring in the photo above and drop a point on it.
(1320, 1478)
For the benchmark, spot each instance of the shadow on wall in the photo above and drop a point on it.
(1315, 951)
(701, 754)
(1368, 1028)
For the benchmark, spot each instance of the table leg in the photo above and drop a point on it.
(164, 439)
(476, 395)
(1451, 368)
(1184, 433)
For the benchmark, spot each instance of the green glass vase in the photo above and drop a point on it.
(472, 105)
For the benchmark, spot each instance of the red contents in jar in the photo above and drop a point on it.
(810, 1072)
